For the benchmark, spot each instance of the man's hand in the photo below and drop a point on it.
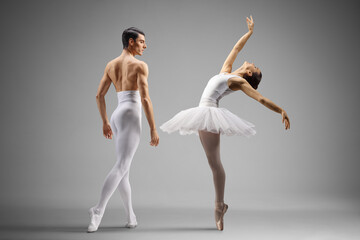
(154, 138)
(107, 131)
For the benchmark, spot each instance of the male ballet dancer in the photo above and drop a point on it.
(129, 76)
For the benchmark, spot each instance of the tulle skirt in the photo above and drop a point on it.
(210, 119)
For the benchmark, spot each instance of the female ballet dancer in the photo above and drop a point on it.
(129, 77)
(209, 121)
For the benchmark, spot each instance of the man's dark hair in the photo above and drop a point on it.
(133, 33)
(254, 80)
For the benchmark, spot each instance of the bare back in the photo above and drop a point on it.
(123, 72)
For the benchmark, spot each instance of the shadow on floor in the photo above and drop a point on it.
(82, 229)
(159, 229)
(33, 229)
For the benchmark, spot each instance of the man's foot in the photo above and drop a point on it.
(132, 224)
(95, 219)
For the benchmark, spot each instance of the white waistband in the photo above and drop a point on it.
(130, 95)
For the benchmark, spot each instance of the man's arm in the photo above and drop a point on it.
(227, 66)
(146, 101)
(100, 100)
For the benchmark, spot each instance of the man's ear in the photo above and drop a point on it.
(131, 41)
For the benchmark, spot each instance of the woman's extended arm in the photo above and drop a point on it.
(227, 66)
(100, 100)
(242, 84)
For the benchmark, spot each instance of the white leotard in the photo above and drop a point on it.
(216, 88)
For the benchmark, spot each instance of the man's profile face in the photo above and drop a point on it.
(139, 45)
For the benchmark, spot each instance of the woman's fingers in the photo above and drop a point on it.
(287, 124)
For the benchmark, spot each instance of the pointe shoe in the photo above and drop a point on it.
(220, 222)
(95, 220)
(131, 225)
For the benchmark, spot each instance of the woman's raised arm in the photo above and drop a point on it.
(227, 66)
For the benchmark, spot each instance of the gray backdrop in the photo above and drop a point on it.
(53, 54)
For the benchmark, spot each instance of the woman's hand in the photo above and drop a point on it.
(154, 138)
(285, 119)
(250, 23)
(107, 131)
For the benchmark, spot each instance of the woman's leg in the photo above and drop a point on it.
(211, 144)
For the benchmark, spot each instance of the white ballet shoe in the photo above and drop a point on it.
(131, 225)
(95, 219)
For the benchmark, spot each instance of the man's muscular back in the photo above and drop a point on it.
(123, 72)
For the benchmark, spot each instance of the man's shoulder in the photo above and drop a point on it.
(112, 63)
(141, 66)
(140, 63)
(133, 65)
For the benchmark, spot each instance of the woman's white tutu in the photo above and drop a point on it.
(210, 119)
